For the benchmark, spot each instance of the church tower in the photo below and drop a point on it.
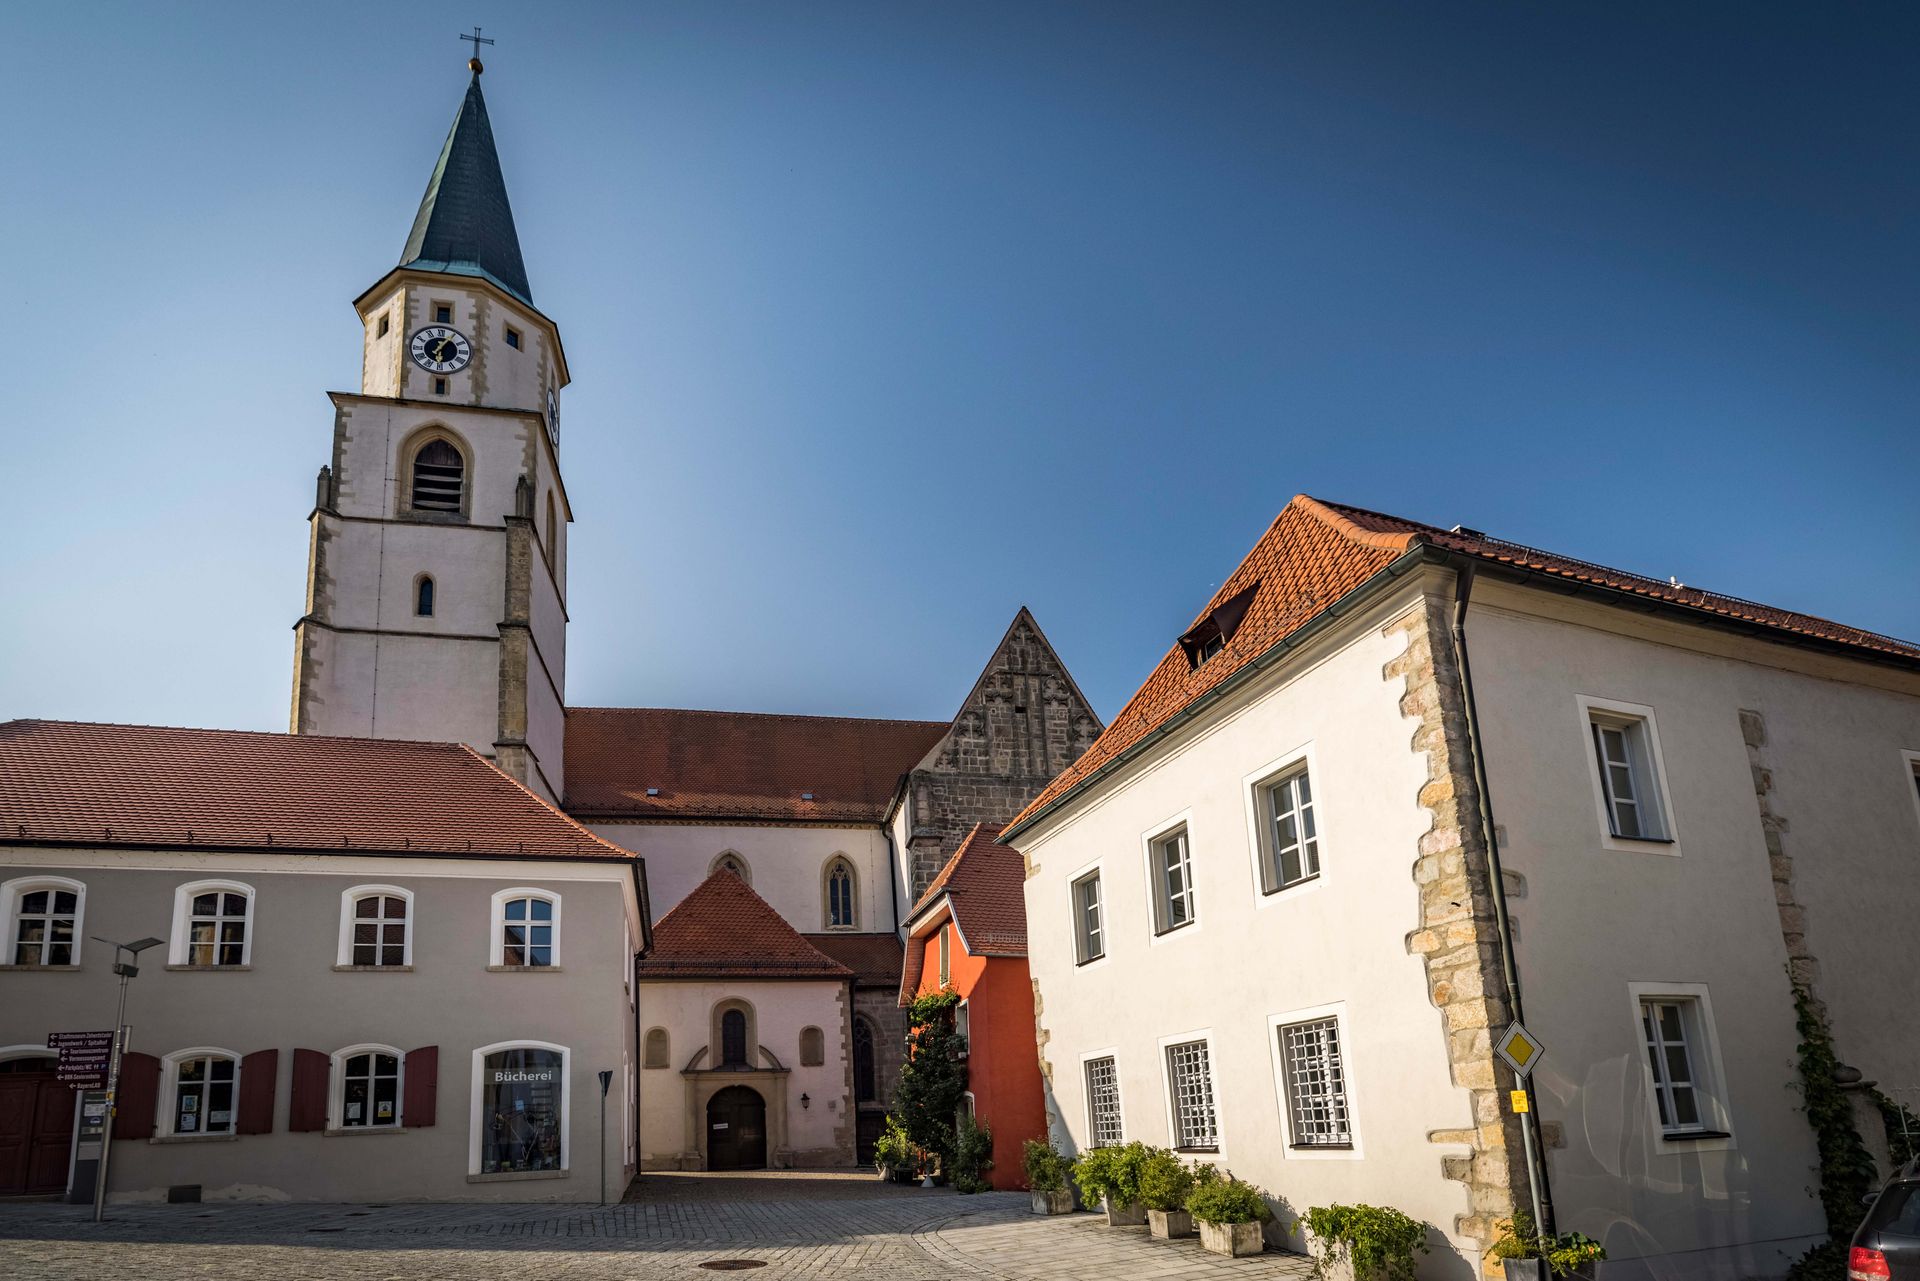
(437, 561)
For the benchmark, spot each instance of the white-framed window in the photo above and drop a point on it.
(1315, 1070)
(946, 953)
(376, 927)
(1170, 879)
(45, 918)
(1104, 1126)
(963, 1026)
(1629, 776)
(200, 1092)
(1289, 831)
(520, 1110)
(526, 929)
(1089, 927)
(368, 1088)
(212, 925)
(840, 887)
(1685, 1094)
(1195, 1123)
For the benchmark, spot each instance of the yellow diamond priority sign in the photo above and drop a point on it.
(1518, 1047)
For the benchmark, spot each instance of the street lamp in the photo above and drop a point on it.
(126, 970)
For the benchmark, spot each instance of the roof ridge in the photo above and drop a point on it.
(784, 716)
(286, 735)
(512, 782)
(1332, 515)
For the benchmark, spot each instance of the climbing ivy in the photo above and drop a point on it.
(934, 1076)
(1846, 1167)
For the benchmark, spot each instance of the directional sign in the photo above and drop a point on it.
(84, 1058)
(1519, 1048)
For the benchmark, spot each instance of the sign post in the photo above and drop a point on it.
(1521, 1051)
(83, 1061)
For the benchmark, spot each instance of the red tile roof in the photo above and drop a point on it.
(737, 765)
(63, 782)
(982, 885)
(1314, 553)
(875, 958)
(724, 930)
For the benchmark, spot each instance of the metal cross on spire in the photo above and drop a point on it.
(476, 40)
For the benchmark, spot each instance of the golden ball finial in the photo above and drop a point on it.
(473, 65)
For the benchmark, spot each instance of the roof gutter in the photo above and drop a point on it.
(1402, 565)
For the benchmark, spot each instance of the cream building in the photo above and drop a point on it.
(1277, 861)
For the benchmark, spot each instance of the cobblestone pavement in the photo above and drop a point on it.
(798, 1224)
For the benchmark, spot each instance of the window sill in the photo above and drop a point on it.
(53, 969)
(1291, 885)
(1091, 959)
(194, 1138)
(210, 969)
(517, 1176)
(1641, 840)
(525, 969)
(373, 969)
(1172, 929)
(1321, 1147)
(1204, 1151)
(1689, 1136)
(348, 1131)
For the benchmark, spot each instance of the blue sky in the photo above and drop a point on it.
(886, 319)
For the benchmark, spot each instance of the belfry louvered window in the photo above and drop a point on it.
(439, 475)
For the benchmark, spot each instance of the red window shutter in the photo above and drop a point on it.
(423, 1087)
(138, 1103)
(308, 1108)
(259, 1073)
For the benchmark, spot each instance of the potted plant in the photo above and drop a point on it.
(1526, 1254)
(1165, 1184)
(1047, 1175)
(1368, 1242)
(972, 1157)
(893, 1152)
(1230, 1213)
(1112, 1175)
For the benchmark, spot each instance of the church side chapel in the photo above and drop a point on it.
(782, 853)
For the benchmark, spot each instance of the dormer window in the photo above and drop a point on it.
(1210, 635)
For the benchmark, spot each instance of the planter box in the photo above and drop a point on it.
(1125, 1216)
(1057, 1202)
(1527, 1269)
(1233, 1239)
(1168, 1224)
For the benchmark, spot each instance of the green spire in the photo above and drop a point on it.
(465, 226)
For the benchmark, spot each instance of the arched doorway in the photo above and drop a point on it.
(36, 1126)
(737, 1129)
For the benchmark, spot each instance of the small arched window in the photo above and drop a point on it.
(212, 925)
(553, 534)
(813, 1047)
(439, 477)
(840, 886)
(376, 927)
(865, 1088)
(202, 1092)
(729, 861)
(526, 929)
(658, 1051)
(733, 1039)
(423, 596)
(43, 918)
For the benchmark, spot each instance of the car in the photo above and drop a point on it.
(1887, 1245)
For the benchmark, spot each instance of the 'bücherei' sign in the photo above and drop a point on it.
(514, 1076)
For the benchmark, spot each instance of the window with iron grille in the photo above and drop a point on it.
(439, 476)
(1172, 868)
(1088, 935)
(1191, 1080)
(1316, 1084)
(1103, 1102)
(1290, 845)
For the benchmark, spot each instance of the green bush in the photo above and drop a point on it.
(933, 1075)
(893, 1150)
(1166, 1180)
(1379, 1242)
(1565, 1254)
(972, 1157)
(1224, 1200)
(1111, 1174)
(1047, 1170)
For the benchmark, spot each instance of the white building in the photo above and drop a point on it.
(1276, 861)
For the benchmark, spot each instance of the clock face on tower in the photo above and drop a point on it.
(440, 349)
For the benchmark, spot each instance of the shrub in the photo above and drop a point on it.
(1565, 1254)
(893, 1150)
(1379, 1242)
(1227, 1200)
(933, 1075)
(1111, 1174)
(972, 1157)
(1166, 1180)
(1047, 1170)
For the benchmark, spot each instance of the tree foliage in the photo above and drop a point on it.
(934, 1076)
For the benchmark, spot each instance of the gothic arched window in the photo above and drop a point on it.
(439, 477)
(865, 1088)
(423, 596)
(840, 885)
(729, 861)
(733, 1039)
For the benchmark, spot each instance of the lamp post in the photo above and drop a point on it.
(126, 970)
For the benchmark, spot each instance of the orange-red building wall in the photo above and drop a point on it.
(1003, 1062)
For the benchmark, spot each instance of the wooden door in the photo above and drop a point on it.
(36, 1133)
(737, 1130)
